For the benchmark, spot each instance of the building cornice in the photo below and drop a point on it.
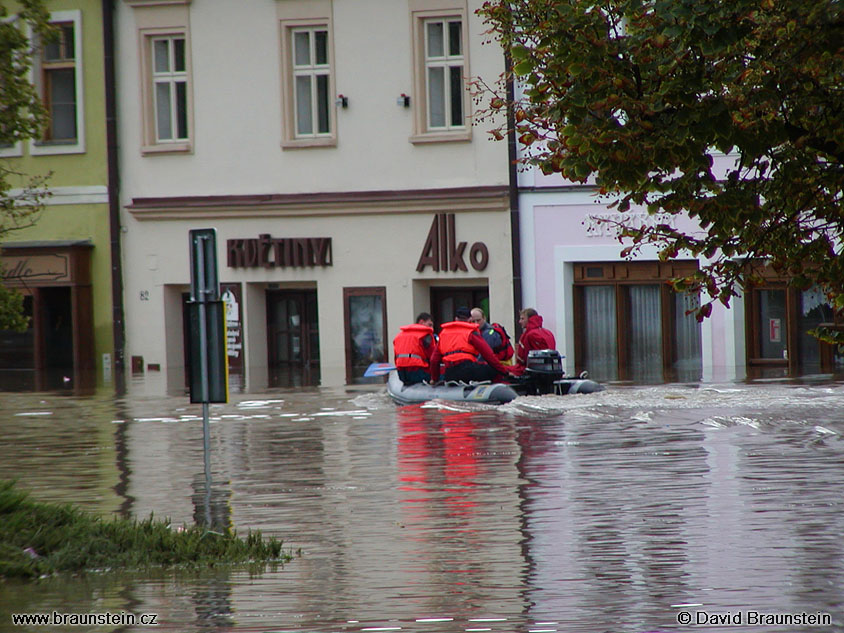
(456, 200)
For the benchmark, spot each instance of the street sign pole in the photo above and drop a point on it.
(208, 372)
(203, 363)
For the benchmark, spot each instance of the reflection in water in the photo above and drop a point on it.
(578, 513)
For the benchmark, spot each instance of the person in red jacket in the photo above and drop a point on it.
(458, 348)
(534, 336)
(412, 350)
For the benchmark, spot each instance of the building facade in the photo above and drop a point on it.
(619, 320)
(65, 264)
(337, 162)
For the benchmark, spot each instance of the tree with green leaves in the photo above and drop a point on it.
(21, 117)
(649, 98)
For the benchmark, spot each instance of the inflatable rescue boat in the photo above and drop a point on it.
(543, 375)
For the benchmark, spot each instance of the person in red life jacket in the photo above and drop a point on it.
(534, 336)
(494, 334)
(458, 349)
(412, 349)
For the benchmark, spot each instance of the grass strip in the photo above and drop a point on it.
(38, 539)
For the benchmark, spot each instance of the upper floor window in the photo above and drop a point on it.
(444, 73)
(440, 67)
(309, 114)
(57, 74)
(164, 72)
(58, 71)
(311, 82)
(170, 88)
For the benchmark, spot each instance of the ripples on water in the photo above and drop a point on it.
(593, 513)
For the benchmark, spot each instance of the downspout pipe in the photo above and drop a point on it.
(118, 319)
(513, 172)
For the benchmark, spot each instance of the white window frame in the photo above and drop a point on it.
(12, 151)
(424, 13)
(311, 71)
(446, 60)
(39, 147)
(305, 16)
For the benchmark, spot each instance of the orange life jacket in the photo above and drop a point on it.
(454, 342)
(407, 346)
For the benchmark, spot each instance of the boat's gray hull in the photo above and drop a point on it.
(493, 393)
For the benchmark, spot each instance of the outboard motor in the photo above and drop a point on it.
(544, 367)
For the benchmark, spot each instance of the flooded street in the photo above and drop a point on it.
(666, 508)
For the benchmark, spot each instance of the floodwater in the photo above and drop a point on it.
(636, 509)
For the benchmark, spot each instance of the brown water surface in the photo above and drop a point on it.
(613, 512)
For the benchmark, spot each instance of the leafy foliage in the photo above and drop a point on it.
(21, 117)
(641, 94)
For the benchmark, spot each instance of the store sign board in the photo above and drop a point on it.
(266, 251)
(20, 269)
(443, 252)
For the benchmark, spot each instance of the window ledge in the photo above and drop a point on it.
(167, 148)
(154, 3)
(309, 142)
(442, 137)
(46, 148)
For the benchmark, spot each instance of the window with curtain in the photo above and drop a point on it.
(599, 332)
(634, 331)
(645, 335)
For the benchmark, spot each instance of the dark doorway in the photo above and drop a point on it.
(58, 329)
(292, 338)
(444, 301)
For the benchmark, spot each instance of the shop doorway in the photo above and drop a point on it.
(445, 300)
(57, 350)
(57, 321)
(292, 338)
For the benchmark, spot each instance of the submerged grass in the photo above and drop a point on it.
(38, 539)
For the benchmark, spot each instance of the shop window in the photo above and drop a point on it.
(365, 318)
(631, 326)
(17, 356)
(779, 320)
